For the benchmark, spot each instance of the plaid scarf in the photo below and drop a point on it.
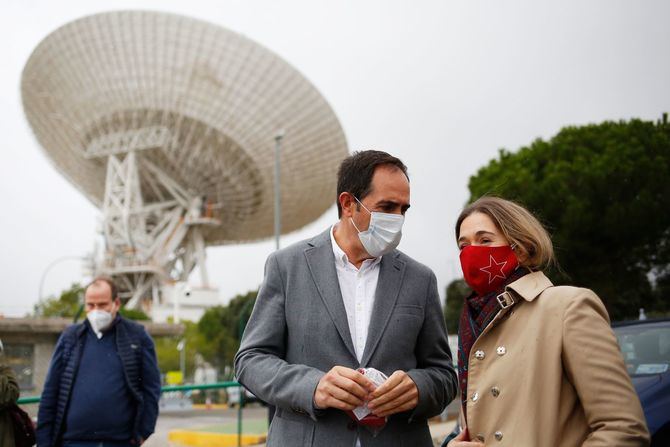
(478, 312)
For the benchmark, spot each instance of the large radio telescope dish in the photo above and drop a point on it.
(168, 124)
(208, 102)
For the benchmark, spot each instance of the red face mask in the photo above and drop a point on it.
(486, 268)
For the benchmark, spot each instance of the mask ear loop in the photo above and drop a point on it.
(364, 207)
(361, 203)
(354, 224)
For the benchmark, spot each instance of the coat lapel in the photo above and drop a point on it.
(391, 274)
(531, 286)
(321, 264)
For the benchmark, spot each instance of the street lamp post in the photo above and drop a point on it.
(278, 139)
(49, 267)
(241, 324)
(181, 347)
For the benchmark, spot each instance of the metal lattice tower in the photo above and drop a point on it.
(168, 124)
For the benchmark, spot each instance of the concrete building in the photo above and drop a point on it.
(29, 344)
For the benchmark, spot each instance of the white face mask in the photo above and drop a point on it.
(383, 234)
(99, 320)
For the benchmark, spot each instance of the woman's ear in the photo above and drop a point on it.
(520, 252)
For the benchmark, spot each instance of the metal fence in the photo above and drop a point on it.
(186, 388)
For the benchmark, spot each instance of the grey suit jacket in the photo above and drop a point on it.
(298, 331)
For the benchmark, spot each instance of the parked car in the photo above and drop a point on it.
(645, 345)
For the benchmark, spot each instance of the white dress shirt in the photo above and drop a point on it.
(358, 288)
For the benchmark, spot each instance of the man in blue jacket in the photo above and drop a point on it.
(103, 384)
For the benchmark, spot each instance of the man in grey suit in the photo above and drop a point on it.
(344, 300)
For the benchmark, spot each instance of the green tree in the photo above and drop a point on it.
(134, 314)
(223, 324)
(603, 191)
(195, 343)
(457, 290)
(215, 337)
(67, 304)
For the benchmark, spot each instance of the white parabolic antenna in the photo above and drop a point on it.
(168, 125)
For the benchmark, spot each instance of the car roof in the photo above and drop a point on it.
(640, 322)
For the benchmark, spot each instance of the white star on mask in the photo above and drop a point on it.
(498, 269)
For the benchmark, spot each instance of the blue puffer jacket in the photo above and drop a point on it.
(138, 356)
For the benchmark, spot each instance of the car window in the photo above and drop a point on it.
(645, 348)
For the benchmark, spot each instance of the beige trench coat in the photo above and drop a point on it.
(551, 374)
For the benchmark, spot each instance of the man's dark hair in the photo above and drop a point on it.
(356, 171)
(109, 281)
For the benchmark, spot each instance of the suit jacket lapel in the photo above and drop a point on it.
(321, 264)
(391, 273)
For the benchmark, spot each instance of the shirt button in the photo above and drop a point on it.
(498, 435)
(479, 437)
(475, 396)
(501, 350)
(479, 355)
(495, 391)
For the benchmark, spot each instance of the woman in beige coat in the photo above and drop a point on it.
(539, 365)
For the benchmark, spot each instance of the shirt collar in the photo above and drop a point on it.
(341, 257)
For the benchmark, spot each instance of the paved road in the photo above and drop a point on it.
(171, 420)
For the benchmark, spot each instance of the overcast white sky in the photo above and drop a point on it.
(443, 85)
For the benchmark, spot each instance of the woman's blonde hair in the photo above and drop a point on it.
(519, 226)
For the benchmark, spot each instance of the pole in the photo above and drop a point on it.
(278, 139)
(182, 361)
(181, 347)
(240, 404)
(241, 324)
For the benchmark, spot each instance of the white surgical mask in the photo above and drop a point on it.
(100, 320)
(383, 234)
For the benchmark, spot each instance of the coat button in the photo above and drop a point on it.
(475, 396)
(498, 435)
(479, 355)
(479, 437)
(495, 391)
(501, 350)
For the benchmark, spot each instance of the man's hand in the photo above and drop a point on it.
(399, 393)
(342, 388)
